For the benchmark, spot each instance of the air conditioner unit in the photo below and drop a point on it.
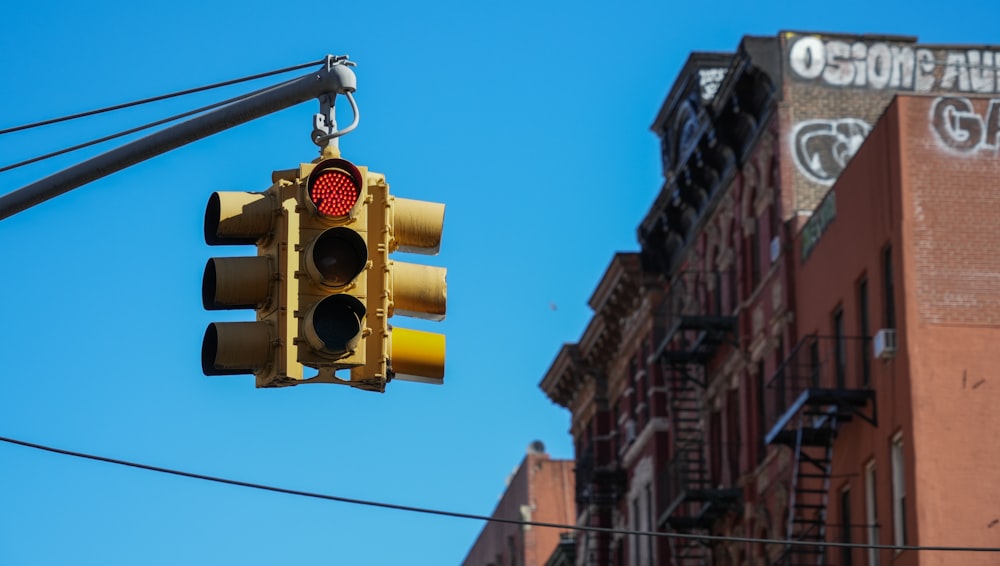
(775, 248)
(884, 344)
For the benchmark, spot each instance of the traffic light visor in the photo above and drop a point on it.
(236, 283)
(238, 218)
(233, 348)
(417, 356)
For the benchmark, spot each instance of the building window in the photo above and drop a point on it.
(779, 393)
(753, 240)
(898, 492)
(774, 216)
(650, 549)
(871, 512)
(889, 296)
(733, 436)
(865, 331)
(846, 553)
(732, 290)
(839, 348)
(814, 363)
(715, 449)
(634, 550)
(760, 383)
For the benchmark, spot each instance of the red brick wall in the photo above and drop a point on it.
(951, 230)
(540, 490)
(936, 206)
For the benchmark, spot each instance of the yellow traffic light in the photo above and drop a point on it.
(333, 266)
(323, 284)
(407, 289)
(258, 282)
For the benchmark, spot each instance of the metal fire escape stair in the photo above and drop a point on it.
(685, 405)
(810, 488)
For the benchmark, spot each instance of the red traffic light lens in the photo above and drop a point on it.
(334, 192)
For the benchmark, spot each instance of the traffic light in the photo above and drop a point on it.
(408, 289)
(263, 347)
(323, 284)
(333, 266)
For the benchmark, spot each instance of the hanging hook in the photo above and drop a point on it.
(325, 131)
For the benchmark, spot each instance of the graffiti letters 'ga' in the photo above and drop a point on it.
(822, 148)
(961, 130)
(898, 66)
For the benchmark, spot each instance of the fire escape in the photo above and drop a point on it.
(600, 483)
(596, 484)
(823, 383)
(690, 497)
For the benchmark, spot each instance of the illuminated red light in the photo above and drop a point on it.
(334, 193)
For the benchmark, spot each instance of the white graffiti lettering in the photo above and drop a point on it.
(710, 80)
(882, 65)
(963, 131)
(822, 148)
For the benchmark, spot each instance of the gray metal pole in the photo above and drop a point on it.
(334, 77)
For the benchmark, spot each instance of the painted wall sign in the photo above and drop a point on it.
(960, 129)
(882, 65)
(822, 148)
(818, 223)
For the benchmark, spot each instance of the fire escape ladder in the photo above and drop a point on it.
(696, 330)
(809, 495)
(687, 552)
(689, 474)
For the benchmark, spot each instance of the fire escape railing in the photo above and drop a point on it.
(698, 315)
(597, 484)
(690, 495)
(820, 370)
(824, 382)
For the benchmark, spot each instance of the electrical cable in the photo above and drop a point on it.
(131, 131)
(688, 536)
(159, 98)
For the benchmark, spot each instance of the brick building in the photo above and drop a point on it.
(540, 489)
(791, 358)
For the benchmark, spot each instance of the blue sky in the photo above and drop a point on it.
(529, 120)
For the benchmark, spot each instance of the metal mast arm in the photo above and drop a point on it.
(336, 77)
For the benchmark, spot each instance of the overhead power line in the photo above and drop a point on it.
(701, 537)
(151, 124)
(128, 132)
(157, 98)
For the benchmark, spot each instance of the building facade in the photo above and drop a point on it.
(771, 363)
(540, 489)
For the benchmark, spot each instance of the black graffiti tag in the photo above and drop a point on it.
(959, 127)
(823, 147)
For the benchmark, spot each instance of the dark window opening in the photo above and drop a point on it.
(888, 289)
(753, 241)
(839, 349)
(846, 554)
(814, 363)
(761, 388)
(865, 331)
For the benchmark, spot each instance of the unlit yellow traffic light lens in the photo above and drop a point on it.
(334, 192)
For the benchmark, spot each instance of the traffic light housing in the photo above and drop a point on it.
(323, 284)
(333, 255)
(262, 347)
(402, 288)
